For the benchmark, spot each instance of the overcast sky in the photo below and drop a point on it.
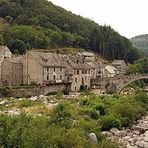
(128, 17)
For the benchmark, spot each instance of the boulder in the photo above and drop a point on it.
(114, 131)
(41, 97)
(93, 138)
(127, 137)
(3, 102)
(145, 144)
(136, 132)
(140, 144)
(33, 98)
(145, 139)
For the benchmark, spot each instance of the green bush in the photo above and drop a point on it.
(141, 97)
(62, 115)
(110, 121)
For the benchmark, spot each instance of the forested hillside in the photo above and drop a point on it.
(29, 24)
(141, 42)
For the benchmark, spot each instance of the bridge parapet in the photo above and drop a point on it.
(119, 81)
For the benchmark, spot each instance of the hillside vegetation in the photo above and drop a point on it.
(68, 124)
(141, 42)
(41, 24)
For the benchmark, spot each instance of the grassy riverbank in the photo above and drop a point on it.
(69, 123)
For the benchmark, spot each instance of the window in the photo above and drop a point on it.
(85, 78)
(54, 77)
(75, 88)
(60, 77)
(47, 77)
(54, 69)
(82, 80)
(83, 71)
(75, 79)
(60, 69)
(77, 72)
(47, 69)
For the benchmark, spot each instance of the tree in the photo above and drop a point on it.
(19, 46)
(55, 39)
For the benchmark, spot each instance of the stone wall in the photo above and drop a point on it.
(12, 72)
(80, 79)
(32, 70)
(39, 90)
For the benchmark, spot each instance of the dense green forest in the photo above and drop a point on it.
(141, 42)
(27, 24)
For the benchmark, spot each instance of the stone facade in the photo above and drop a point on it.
(32, 70)
(80, 74)
(120, 65)
(12, 71)
(4, 52)
(87, 56)
(97, 69)
(41, 68)
(110, 71)
(47, 69)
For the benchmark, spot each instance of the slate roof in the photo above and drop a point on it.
(111, 69)
(85, 53)
(95, 64)
(48, 59)
(118, 62)
(76, 62)
(3, 49)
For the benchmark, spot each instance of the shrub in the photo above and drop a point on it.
(141, 97)
(110, 121)
(127, 111)
(101, 108)
(62, 115)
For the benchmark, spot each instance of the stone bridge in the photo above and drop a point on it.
(118, 82)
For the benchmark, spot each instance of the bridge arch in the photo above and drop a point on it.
(136, 78)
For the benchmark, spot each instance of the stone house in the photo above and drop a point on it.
(120, 65)
(87, 56)
(43, 68)
(78, 72)
(97, 69)
(4, 52)
(12, 71)
(110, 71)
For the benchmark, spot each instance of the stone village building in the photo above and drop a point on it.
(52, 69)
(79, 72)
(12, 71)
(120, 65)
(41, 68)
(4, 52)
